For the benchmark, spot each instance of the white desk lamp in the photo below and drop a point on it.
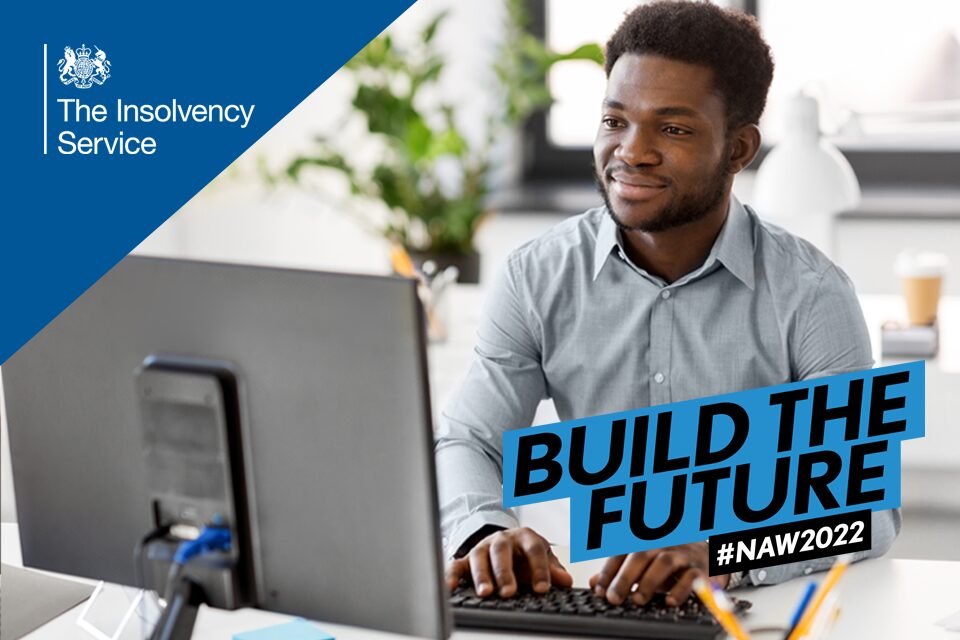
(804, 180)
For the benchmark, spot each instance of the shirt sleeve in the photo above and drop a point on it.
(501, 391)
(833, 339)
(832, 335)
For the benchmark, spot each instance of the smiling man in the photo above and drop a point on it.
(672, 290)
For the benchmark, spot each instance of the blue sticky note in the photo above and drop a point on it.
(298, 629)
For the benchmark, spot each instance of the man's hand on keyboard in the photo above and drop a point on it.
(507, 558)
(671, 569)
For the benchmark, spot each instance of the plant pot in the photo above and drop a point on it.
(467, 263)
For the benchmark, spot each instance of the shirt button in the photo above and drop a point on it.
(761, 576)
(658, 377)
(666, 294)
(807, 571)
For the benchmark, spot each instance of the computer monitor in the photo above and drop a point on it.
(334, 415)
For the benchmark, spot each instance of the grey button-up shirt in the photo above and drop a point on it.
(571, 318)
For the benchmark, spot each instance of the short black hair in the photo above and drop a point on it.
(727, 41)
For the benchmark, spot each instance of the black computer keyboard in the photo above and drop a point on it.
(582, 612)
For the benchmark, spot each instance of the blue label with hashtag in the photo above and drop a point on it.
(686, 471)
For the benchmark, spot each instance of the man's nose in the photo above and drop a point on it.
(637, 148)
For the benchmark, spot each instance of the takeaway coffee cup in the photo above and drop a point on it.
(921, 279)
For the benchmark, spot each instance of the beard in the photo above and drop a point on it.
(684, 209)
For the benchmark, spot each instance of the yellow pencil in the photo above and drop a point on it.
(803, 627)
(721, 611)
(403, 265)
(821, 623)
(727, 607)
(400, 260)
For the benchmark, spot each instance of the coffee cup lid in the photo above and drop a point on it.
(921, 264)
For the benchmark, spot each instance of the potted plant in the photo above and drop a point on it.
(433, 181)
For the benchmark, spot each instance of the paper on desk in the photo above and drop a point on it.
(31, 599)
(298, 629)
(951, 623)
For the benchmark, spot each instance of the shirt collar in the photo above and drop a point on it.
(607, 240)
(733, 248)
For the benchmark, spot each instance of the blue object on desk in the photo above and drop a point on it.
(802, 605)
(298, 629)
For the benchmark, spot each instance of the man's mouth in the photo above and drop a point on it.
(630, 187)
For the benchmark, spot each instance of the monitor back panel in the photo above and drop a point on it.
(336, 419)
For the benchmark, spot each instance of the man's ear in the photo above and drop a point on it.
(744, 146)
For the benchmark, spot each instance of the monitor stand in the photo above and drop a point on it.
(176, 621)
(190, 419)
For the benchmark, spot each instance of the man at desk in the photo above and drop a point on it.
(672, 290)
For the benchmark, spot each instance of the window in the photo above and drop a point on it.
(898, 123)
(887, 74)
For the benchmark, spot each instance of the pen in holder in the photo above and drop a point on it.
(433, 288)
(814, 617)
(818, 612)
(434, 293)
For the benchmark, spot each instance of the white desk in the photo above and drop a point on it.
(880, 599)
(895, 599)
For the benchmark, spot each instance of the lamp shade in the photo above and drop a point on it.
(804, 175)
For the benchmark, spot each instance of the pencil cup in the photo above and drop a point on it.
(435, 290)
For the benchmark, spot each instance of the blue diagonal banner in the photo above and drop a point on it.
(115, 114)
(707, 467)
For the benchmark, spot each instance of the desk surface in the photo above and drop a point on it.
(881, 599)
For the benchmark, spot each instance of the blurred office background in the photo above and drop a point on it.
(887, 80)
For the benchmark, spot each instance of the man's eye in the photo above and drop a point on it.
(610, 123)
(675, 131)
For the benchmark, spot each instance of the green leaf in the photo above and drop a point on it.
(397, 188)
(591, 52)
(386, 113)
(429, 74)
(417, 138)
(373, 55)
(449, 142)
(330, 161)
(431, 29)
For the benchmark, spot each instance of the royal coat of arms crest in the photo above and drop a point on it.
(81, 70)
